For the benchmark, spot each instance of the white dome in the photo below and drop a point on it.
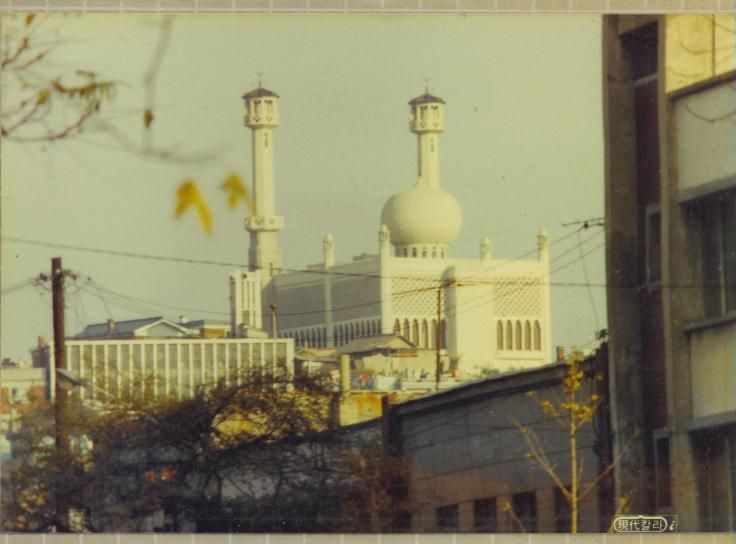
(422, 215)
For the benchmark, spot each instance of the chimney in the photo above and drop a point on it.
(345, 373)
(110, 327)
(560, 353)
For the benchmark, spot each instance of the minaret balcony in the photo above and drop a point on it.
(262, 223)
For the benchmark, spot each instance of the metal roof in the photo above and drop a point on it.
(372, 343)
(123, 329)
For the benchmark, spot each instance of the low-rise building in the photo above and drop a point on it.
(468, 462)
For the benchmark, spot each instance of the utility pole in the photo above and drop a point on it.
(62, 433)
(274, 333)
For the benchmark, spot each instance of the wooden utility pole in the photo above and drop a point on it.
(62, 432)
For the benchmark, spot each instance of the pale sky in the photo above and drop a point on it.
(522, 150)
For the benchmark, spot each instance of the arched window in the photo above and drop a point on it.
(528, 336)
(407, 334)
(509, 336)
(499, 335)
(434, 252)
(517, 338)
(397, 327)
(433, 334)
(415, 332)
(413, 252)
(537, 336)
(424, 252)
(425, 334)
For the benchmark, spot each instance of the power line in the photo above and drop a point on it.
(315, 271)
(585, 275)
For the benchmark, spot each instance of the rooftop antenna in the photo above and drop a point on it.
(426, 85)
(260, 75)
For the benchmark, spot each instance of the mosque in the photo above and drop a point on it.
(480, 313)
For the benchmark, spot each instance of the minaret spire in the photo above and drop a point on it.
(427, 121)
(262, 116)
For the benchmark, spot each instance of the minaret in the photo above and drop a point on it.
(427, 121)
(261, 116)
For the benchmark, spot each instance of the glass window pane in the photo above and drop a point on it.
(698, 48)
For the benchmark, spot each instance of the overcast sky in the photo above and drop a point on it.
(522, 151)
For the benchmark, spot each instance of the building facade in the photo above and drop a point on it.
(670, 187)
(468, 463)
(483, 312)
(162, 358)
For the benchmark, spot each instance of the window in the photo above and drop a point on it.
(484, 515)
(447, 519)
(654, 245)
(499, 335)
(640, 48)
(525, 508)
(698, 48)
(537, 336)
(509, 336)
(517, 338)
(397, 327)
(716, 216)
(527, 336)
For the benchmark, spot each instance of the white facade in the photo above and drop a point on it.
(488, 313)
(171, 366)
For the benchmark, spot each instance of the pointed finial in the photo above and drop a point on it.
(426, 85)
(260, 75)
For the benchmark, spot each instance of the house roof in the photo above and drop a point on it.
(373, 343)
(124, 329)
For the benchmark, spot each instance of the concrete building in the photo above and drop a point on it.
(670, 187)
(167, 358)
(484, 312)
(466, 458)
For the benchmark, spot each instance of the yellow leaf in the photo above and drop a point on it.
(187, 196)
(236, 190)
(147, 118)
(43, 96)
(29, 18)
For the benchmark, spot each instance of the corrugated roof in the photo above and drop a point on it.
(259, 92)
(370, 343)
(425, 99)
